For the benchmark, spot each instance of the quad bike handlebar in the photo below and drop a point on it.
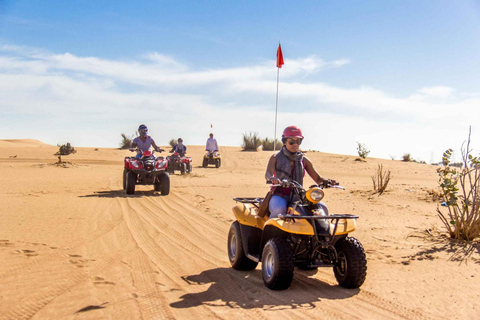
(286, 183)
(138, 150)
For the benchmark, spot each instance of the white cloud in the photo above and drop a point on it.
(439, 91)
(64, 94)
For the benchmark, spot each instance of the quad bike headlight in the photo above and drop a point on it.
(315, 195)
(135, 164)
(161, 164)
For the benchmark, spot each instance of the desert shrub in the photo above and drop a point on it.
(251, 141)
(381, 179)
(406, 157)
(460, 194)
(362, 150)
(268, 144)
(172, 142)
(126, 142)
(65, 149)
(392, 157)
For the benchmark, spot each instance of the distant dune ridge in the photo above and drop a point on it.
(73, 244)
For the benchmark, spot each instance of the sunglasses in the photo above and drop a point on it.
(292, 142)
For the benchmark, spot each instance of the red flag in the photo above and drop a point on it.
(279, 56)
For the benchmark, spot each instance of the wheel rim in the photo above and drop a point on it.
(268, 265)
(341, 265)
(233, 246)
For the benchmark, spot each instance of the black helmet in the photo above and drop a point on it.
(180, 140)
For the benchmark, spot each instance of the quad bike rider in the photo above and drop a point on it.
(291, 227)
(212, 156)
(178, 160)
(145, 168)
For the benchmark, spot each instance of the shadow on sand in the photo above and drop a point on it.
(121, 194)
(244, 289)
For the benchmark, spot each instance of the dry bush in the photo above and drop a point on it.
(406, 157)
(126, 142)
(460, 195)
(268, 145)
(251, 141)
(65, 149)
(172, 142)
(381, 179)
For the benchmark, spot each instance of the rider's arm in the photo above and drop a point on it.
(155, 147)
(216, 145)
(270, 172)
(312, 172)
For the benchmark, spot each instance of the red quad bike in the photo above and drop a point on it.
(146, 170)
(177, 162)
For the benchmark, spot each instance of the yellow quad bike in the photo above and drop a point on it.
(212, 157)
(307, 237)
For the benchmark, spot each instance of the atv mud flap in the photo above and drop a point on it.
(251, 237)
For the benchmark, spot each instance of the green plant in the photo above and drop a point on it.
(268, 144)
(251, 142)
(460, 195)
(126, 142)
(362, 150)
(65, 149)
(380, 180)
(406, 157)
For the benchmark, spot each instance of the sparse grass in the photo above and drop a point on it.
(362, 150)
(381, 179)
(267, 144)
(126, 142)
(65, 150)
(392, 157)
(251, 141)
(460, 194)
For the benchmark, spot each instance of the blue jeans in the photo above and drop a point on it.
(278, 205)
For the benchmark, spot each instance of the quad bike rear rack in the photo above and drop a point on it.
(254, 201)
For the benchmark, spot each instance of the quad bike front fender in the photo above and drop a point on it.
(344, 226)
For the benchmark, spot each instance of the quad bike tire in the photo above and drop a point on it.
(351, 268)
(131, 182)
(183, 168)
(125, 179)
(277, 264)
(205, 162)
(164, 183)
(189, 167)
(218, 163)
(236, 254)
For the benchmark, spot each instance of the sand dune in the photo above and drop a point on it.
(73, 245)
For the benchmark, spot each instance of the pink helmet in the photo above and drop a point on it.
(292, 132)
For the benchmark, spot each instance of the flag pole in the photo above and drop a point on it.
(276, 109)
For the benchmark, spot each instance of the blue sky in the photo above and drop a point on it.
(399, 76)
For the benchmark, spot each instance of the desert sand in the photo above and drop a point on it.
(73, 245)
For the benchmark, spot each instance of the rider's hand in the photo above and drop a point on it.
(275, 181)
(132, 149)
(329, 183)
